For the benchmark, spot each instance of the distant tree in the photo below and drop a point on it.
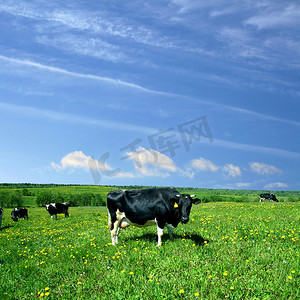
(16, 199)
(26, 192)
(86, 199)
(59, 198)
(4, 199)
(97, 200)
(44, 197)
(71, 199)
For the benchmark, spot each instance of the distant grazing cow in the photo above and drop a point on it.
(161, 207)
(271, 197)
(1, 215)
(19, 213)
(57, 208)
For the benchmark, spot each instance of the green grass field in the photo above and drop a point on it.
(227, 250)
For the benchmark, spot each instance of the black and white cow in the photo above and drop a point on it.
(1, 215)
(57, 208)
(271, 197)
(161, 207)
(19, 213)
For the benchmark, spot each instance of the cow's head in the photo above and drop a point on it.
(184, 204)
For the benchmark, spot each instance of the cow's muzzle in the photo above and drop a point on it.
(184, 220)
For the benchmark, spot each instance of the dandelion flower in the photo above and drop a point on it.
(181, 291)
(196, 294)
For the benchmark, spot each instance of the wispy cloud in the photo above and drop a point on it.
(282, 16)
(255, 148)
(117, 82)
(64, 117)
(275, 185)
(73, 118)
(108, 80)
(242, 185)
(94, 47)
(264, 169)
(96, 22)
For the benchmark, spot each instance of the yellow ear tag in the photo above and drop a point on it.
(175, 205)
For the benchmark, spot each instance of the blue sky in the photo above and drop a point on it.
(167, 93)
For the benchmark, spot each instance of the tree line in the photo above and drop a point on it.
(80, 199)
(16, 198)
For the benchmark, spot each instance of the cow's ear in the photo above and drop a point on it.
(196, 201)
(192, 196)
(176, 198)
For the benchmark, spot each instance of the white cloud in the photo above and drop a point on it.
(203, 164)
(149, 162)
(264, 169)
(78, 160)
(199, 164)
(232, 171)
(275, 185)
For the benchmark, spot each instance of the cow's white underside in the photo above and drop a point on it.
(123, 222)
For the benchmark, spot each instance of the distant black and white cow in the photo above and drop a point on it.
(1, 215)
(19, 213)
(271, 197)
(161, 207)
(57, 208)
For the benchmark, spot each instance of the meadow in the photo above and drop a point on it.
(227, 250)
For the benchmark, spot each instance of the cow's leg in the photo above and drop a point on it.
(115, 231)
(170, 230)
(114, 226)
(160, 231)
